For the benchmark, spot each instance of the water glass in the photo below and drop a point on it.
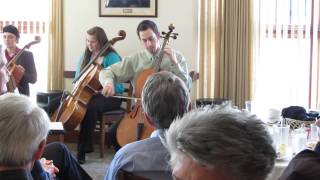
(313, 133)
(248, 105)
(313, 137)
(299, 140)
(281, 139)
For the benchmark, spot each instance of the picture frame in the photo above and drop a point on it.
(128, 8)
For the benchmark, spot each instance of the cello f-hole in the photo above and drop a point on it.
(134, 115)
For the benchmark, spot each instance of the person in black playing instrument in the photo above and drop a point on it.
(25, 62)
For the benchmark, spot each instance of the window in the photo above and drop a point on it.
(287, 53)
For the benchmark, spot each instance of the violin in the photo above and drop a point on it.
(15, 73)
(134, 125)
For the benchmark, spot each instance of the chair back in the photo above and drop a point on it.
(110, 117)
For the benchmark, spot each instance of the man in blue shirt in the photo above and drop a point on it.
(164, 97)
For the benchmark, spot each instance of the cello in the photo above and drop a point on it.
(134, 125)
(73, 105)
(16, 74)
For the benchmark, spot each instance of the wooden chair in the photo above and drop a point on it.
(111, 117)
(124, 175)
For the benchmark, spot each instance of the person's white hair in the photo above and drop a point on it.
(23, 127)
(233, 141)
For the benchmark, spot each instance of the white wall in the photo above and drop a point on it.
(80, 15)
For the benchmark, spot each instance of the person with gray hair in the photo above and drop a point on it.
(220, 143)
(24, 128)
(164, 97)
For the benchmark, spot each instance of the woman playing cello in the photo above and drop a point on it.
(95, 39)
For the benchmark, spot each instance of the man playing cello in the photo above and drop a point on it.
(130, 67)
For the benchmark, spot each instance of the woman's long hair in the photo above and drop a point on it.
(102, 38)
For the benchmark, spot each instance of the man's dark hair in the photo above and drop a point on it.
(12, 29)
(146, 24)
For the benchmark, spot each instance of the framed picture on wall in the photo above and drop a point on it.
(128, 8)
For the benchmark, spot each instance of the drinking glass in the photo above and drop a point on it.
(248, 105)
(299, 140)
(313, 136)
(313, 133)
(281, 139)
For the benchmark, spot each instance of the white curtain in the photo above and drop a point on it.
(284, 39)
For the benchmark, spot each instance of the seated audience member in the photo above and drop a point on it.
(164, 97)
(24, 128)
(219, 143)
(305, 165)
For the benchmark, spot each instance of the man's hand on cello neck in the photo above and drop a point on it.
(172, 54)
